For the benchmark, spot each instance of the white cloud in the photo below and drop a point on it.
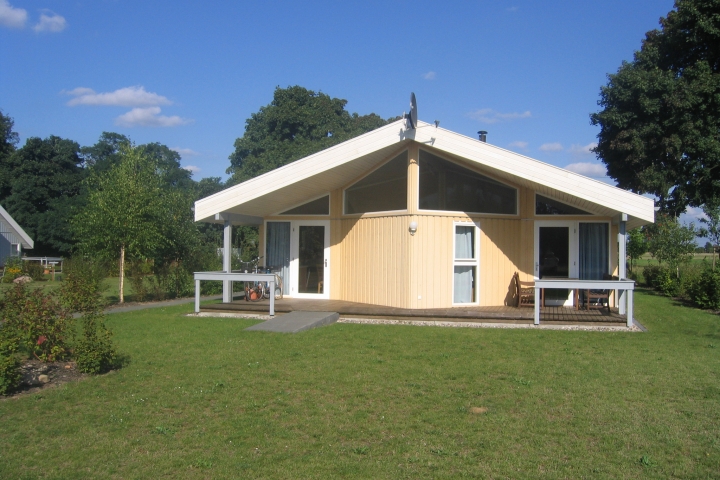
(695, 214)
(582, 149)
(429, 75)
(551, 147)
(192, 168)
(123, 97)
(488, 115)
(10, 16)
(185, 152)
(588, 169)
(519, 144)
(51, 22)
(148, 117)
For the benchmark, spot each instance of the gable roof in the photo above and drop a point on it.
(335, 167)
(9, 225)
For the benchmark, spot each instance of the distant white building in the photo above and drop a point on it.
(13, 238)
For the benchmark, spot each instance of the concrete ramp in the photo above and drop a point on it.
(296, 321)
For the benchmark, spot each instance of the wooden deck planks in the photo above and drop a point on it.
(560, 315)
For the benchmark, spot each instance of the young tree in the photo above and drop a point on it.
(125, 210)
(636, 246)
(670, 242)
(8, 140)
(298, 122)
(660, 114)
(712, 232)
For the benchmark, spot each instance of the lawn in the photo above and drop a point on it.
(201, 398)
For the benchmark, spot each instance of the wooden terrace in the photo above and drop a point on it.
(500, 314)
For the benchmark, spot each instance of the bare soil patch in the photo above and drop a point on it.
(37, 376)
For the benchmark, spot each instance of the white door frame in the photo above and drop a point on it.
(573, 269)
(295, 262)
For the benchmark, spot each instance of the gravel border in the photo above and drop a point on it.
(439, 323)
(435, 323)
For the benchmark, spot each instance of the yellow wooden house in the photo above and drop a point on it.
(424, 218)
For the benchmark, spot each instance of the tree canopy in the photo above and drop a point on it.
(297, 123)
(43, 180)
(660, 117)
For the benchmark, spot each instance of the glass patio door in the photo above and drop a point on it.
(555, 247)
(310, 259)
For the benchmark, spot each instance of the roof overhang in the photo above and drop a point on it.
(26, 242)
(335, 167)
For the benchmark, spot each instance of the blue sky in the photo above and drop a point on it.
(188, 74)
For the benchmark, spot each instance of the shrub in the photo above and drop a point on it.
(82, 286)
(705, 290)
(174, 281)
(35, 322)
(9, 373)
(13, 269)
(94, 350)
(34, 270)
(662, 279)
(138, 271)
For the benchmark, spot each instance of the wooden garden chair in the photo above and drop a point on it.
(525, 292)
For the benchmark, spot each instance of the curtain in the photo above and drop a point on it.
(463, 284)
(594, 251)
(464, 243)
(277, 251)
(464, 275)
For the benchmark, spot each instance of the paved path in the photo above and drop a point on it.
(165, 303)
(296, 321)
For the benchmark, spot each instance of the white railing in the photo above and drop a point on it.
(624, 286)
(236, 277)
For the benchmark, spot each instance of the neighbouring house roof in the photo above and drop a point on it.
(335, 167)
(8, 225)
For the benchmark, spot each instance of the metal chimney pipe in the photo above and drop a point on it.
(483, 135)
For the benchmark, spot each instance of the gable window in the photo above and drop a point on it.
(447, 186)
(465, 263)
(319, 206)
(383, 190)
(549, 206)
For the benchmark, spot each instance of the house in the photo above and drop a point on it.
(427, 218)
(13, 238)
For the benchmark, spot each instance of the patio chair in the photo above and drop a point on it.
(525, 292)
(599, 299)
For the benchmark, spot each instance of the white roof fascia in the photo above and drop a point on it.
(206, 208)
(639, 208)
(535, 171)
(27, 242)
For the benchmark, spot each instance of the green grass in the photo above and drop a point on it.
(201, 398)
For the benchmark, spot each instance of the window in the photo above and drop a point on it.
(383, 190)
(465, 263)
(548, 206)
(445, 185)
(319, 206)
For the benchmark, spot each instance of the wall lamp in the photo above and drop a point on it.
(413, 228)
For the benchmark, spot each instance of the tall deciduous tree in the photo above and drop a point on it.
(660, 117)
(8, 140)
(298, 122)
(125, 208)
(45, 178)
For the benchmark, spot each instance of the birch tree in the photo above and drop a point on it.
(122, 219)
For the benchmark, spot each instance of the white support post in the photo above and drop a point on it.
(197, 296)
(622, 260)
(272, 297)
(227, 261)
(629, 308)
(537, 306)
